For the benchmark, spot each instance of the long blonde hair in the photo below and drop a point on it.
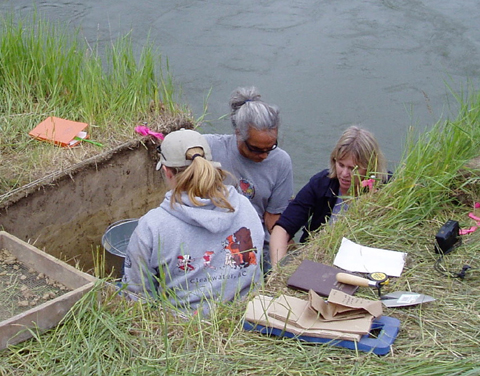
(362, 146)
(200, 179)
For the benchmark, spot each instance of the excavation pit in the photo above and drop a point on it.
(66, 213)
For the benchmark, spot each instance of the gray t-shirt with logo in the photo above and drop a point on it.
(267, 184)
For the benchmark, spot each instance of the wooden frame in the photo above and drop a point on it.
(47, 315)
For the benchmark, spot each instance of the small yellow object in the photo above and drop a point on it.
(379, 277)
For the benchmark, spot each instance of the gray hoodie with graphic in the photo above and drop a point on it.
(196, 254)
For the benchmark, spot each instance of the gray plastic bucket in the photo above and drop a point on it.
(117, 236)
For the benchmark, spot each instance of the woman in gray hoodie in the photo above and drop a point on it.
(204, 242)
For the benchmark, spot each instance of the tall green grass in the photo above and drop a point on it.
(49, 70)
(425, 188)
(46, 68)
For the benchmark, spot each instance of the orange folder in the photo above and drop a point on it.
(59, 131)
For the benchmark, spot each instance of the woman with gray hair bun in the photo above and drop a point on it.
(248, 109)
(262, 169)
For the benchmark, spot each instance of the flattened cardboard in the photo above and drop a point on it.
(321, 278)
(341, 304)
(342, 313)
(298, 313)
(257, 313)
(332, 312)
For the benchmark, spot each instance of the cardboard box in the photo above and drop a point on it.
(47, 314)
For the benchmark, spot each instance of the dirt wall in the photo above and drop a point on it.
(66, 213)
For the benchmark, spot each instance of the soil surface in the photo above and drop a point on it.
(22, 287)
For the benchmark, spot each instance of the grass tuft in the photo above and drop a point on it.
(47, 70)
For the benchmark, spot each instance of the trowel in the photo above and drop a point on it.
(393, 299)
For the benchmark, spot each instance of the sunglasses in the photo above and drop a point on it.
(256, 150)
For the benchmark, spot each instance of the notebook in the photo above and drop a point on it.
(59, 131)
(318, 277)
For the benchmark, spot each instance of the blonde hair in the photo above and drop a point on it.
(200, 179)
(363, 148)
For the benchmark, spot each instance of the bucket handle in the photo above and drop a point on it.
(120, 222)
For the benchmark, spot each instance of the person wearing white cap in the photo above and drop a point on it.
(204, 242)
(263, 170)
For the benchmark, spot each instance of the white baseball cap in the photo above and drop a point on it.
(173, 149)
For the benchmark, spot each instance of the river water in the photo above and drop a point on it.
(385, 65)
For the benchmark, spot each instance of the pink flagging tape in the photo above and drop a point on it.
(368, 183)
(467, 230)
(475, 218)
(145, 131)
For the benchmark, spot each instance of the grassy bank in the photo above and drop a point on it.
(114, 337)
(431, 185)
(48, 70)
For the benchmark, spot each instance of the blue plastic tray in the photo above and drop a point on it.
(388, 326)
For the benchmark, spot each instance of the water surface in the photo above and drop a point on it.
(327, 64)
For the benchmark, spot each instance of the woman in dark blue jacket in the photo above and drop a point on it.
(357, 156)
